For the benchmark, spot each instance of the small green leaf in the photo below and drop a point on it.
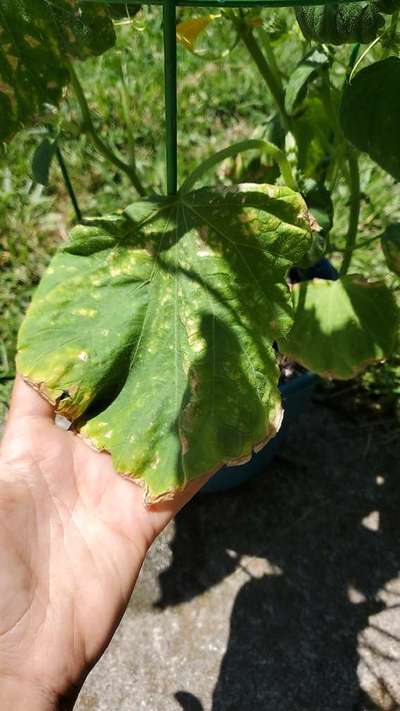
(154, 330)
(341, 326)
(313, 132)
(123, 10)
(37, 39)
(370, 113)
(319, 202)
(42, 159)
(340, 23)
(388, 7)
(306, 71)
(390, 241)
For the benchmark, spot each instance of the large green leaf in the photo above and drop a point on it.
(370, 113)
(37, 39)
(154, 330)
(341, 326)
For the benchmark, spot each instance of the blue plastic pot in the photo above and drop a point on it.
(295, 395)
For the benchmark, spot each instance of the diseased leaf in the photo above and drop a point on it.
(305, 72)
(37, 37)
(390, 241)
(370, 113)
(154, 330)
(341, 326)
(42, 159)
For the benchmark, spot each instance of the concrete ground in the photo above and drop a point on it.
(281, 596)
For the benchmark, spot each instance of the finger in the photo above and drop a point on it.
(27, 402)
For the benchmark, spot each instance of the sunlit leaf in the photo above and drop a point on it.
(370, 113)
(154, 330)
(390, 241)
(341, 326)
(305, 72)
(189, 30)
(37, 38)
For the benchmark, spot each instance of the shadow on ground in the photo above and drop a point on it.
(319, 542)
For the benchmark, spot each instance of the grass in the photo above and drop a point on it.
(220, 101)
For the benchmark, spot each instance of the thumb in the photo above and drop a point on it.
(26, 401)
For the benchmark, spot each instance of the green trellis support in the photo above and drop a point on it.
(170, 61)
(170, 83)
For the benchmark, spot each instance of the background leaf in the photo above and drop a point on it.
(390, 241)
(370, 113)
(37, 39)
(341, 326)
(306, 71)
(340, 23)
(162, 324)
(188, 31)
(42, 159)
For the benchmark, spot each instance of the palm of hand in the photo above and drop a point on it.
(73, 537)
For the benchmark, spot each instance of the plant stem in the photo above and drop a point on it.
(68, 184)
(355, 203)
(101, 146)
(247, 36)
(264, 36)
(127, 115)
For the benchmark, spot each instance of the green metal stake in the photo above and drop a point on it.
(169, 16)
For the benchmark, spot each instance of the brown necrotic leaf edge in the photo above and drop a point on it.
(150, 499)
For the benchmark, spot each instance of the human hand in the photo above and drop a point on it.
(73, 536)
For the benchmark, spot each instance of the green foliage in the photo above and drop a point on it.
(390, 241)
(340, 23)
(381, 385)
(42, 160)
(388, 7)
(185, 378)
(37, 40)
(370, 113)
(342, 326)
(312, 128)
(306, 71)
(193, 378)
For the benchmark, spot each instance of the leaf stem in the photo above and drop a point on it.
(271, 58)
(246, 34)
(252, 144)
(127, 114)
(101, 145)
(68, 183)
(355, 204)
